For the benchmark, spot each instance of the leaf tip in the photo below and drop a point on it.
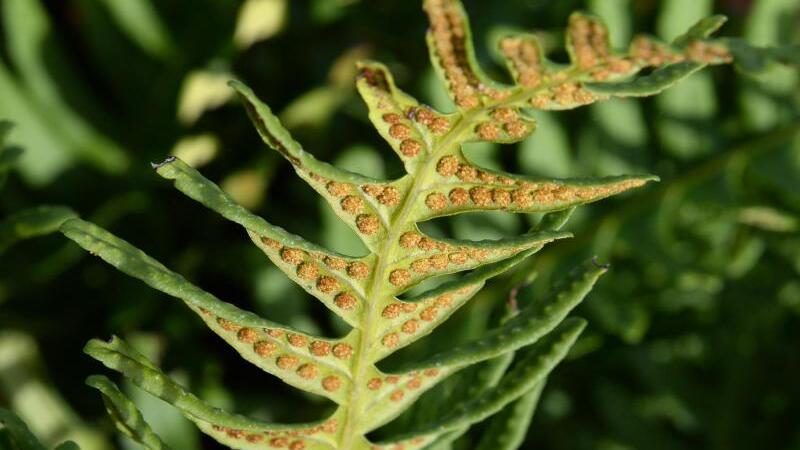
(94, 345)
(163, 163)
(96, 381)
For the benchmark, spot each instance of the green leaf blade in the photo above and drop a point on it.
(525, 376)
(221, 425)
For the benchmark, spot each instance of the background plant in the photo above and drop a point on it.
(663, 407)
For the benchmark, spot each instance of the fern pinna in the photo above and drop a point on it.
(365, 290)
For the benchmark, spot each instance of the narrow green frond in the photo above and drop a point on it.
(459, 387)
(527, 327)
(125, 415)
(318, 365)
(337, 280)
(474, 383)
(525, 375)
(453, 55)
(461, 186)
(295, 357)
(363, 203)
(405, 321)
(411, 129)
(594, 64)
(435, 257)
(524, 329)
(230, 429)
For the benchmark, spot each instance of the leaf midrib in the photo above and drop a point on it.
(383, 262)
(386, 251)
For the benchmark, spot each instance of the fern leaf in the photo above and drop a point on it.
(125, 415)
(365, 290)
(365, 204)
(525, 328)
(304, 361)
(473, 383)
(230, 429)
(411, 129)
(530, 371)
(337, 280)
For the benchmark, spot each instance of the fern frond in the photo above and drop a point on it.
(525, 375)
(365, 290)
(223, 426)
(524, 329)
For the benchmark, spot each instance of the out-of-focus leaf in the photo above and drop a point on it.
(617, 15)
(764, 104)
(202, 90)
(140, 21)
(259, 20)
(325, 11)
(546, 153)
(312, 108)
(33, 222)
(335, 234)
(35, 400)
(692, 103)
(27, 31)
(197, 150)
(246, 187)
(47, 154)
(769, 219)
(15, 434)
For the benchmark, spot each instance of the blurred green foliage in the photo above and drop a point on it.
(693, 334)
